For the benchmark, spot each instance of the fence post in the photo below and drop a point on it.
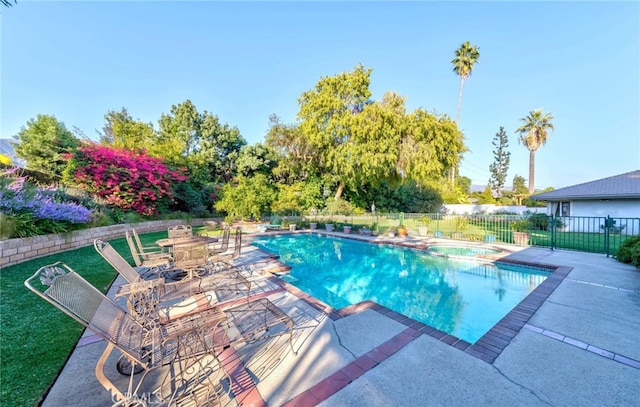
(553, 231)
(607, 227)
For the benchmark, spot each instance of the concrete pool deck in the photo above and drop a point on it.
(579, 347)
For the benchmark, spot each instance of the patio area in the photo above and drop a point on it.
(579, 347)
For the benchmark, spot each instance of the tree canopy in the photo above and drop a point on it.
(208, 148)
(359, 140)
(533, 134)
(466, 57)
(500, 165)
(122, 131)
(43, 144)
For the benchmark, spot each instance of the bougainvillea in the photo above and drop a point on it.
(130, 180)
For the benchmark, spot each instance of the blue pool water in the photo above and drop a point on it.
(462, 250)
(464, 298)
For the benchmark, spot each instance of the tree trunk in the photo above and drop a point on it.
(532, 167)
(454, 170)
(339, 191)
(460, 99)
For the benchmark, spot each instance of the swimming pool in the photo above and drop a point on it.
(464, 298)
(462, 250)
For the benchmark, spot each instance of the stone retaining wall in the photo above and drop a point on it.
(14, 251)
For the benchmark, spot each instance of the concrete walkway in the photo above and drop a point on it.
(579, 348)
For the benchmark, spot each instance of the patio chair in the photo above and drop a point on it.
(223, 245)
(237, 243)
(274, 224)
(155, 249)
(168, 300)
(179, 231)
(187, 344)
(141, 259)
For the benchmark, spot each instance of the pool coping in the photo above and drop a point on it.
(487, 348)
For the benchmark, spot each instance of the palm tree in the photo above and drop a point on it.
(466, 56)
(533, 134)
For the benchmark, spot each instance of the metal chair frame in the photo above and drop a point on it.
(179, 231)
(142, 259)
(147, 299)
(185, 344)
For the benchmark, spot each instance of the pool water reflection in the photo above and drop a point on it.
(464, 298)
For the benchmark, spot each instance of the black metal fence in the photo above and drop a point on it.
(589, 234)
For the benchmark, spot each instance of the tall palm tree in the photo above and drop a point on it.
(533, 134)
(466, 57)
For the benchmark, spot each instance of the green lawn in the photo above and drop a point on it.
(36, 338)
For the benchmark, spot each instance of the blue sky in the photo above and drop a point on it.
(243, 61)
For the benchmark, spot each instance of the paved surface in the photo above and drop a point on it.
(579, 348)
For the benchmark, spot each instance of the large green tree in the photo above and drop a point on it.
(122, 131)
(348, 130)
(430, 146)
(297, 158)
(359, 141)
(43, 143)
(500, 165)
(208, 148)
(518, 185)
(466, 57)
(533, 134)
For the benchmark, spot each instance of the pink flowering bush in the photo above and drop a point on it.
(129, 180)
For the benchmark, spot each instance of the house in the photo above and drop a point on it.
(6, 148)
(617, 196)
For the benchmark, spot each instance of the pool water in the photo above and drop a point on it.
(462, 250)
(464, 298)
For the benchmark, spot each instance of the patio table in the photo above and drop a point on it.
(169, 243)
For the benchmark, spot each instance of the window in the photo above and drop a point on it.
(562, 209)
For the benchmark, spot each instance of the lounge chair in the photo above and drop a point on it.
(221, 250)
(179, 231)
(147, 259)
(189, 345)
(275, 224)
(155, 249)
(167, 300)
(144, 348)
(223, 244)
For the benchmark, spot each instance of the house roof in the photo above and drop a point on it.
(623, 186)
(7, 149)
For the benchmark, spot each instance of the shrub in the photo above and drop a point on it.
(539, 221)
(629, 251)
(128, 180)
(31, 211)
(339, 207)
(461, 223)
(249, 198)
(521, 225)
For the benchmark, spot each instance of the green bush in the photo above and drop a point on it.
(339, 207)
(629, 251)
(539, 221)
(461, 224)
(521, 225)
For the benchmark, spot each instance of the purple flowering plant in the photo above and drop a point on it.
(25, 203)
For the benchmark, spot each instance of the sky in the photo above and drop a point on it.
(243, 61)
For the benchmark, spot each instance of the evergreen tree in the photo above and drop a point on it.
(500, 164)
(43, 143)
